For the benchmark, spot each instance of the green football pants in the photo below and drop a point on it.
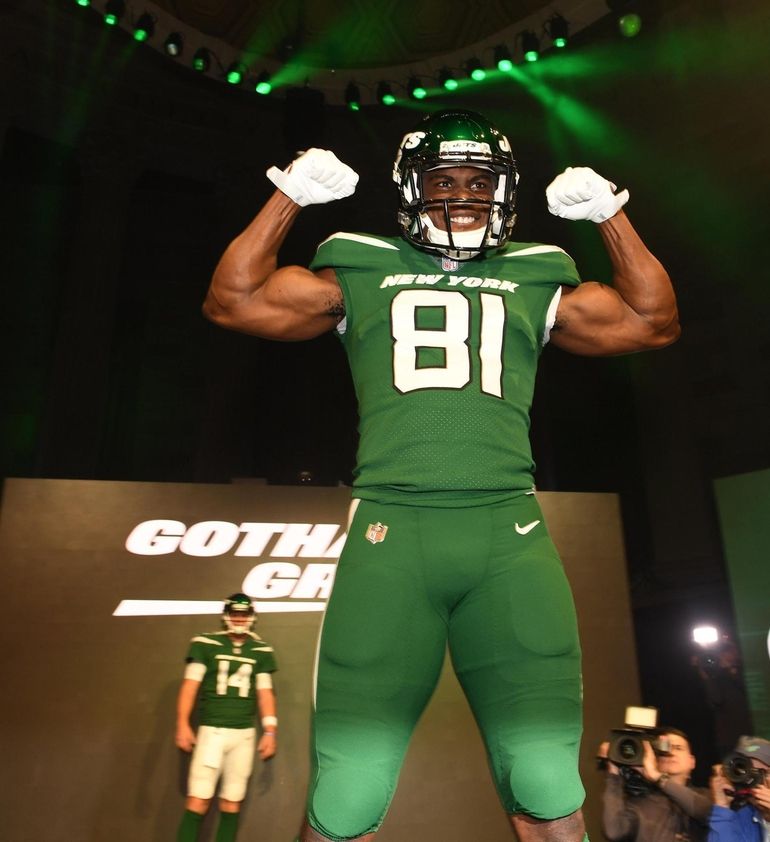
(488, 581)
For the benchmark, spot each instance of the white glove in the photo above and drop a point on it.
(316, 177)
(581, 193)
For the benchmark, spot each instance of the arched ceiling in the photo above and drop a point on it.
(347, 34)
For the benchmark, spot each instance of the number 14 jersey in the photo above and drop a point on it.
(227, 696)
(443, 362)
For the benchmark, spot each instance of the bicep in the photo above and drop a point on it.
(293, 304)
(594, 320)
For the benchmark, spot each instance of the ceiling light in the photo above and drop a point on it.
(264, 85)
(447, 79)
(475, 70)
(173, 44)
(144, 28)
(503, 58)
(385, 94)
(201, 61)
(353, 97)
(531, 46)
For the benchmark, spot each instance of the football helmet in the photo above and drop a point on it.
(455, 138)
(238, 605)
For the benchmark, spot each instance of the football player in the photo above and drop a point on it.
(230, 674)
(443, 327)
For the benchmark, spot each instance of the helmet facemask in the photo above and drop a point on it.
(455, 139)
(237, 607)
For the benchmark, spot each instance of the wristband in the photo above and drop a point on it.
(268, 721)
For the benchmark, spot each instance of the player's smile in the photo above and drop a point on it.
(464, 184)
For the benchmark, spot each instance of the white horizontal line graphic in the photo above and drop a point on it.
(176, 607)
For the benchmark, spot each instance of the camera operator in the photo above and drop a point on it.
(661, 806)
(741, 793)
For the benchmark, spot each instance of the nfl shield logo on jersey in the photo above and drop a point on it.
(449, 265)
(376, 532)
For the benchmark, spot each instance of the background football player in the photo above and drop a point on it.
(229, 672)
(443, 328)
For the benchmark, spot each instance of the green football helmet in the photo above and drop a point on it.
(455, 138)
(238, 605)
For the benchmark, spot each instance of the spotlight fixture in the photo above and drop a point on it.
(114, 11)
(475, 70)
(503, 58)
(144, 27)
(385, 94)
(173, 44)
(264, 85)
(629, 25)
(235, 73)
(353, 97)
(530, 43)
(558, 28)
(415, 88)
(447, 79)
(201, 61)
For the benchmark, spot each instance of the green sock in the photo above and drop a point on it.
(228, 827)
(189, 827)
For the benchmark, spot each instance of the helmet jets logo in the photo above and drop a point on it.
(455, 138)
(454, 147)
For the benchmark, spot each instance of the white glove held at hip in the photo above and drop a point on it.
(316, 177)
(581, 193)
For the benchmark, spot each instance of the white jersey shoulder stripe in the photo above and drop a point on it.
(200, 639)
(360, 238)
(550, 317)
(536, 250)
(262, 649)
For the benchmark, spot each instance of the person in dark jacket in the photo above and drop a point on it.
(670, 809)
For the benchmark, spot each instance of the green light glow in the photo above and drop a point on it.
(630, 25)
(110, 19)
(354, 106)
(478, 74)
(560, 42)
(140, 35)
(505, 65)
(388, 99)
(234, 77)
(531, 55)
(263, 88)
(419, 92)
(451, 84)
(84, 2)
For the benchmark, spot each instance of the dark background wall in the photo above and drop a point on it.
(124, 175)
(88, 707)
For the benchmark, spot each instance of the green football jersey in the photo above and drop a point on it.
(443, 357)
(227, 697)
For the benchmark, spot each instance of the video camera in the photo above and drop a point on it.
(626, 749)
(627, 744)
(743, 776)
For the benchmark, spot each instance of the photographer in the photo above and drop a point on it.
(741, 793)
(654, 802)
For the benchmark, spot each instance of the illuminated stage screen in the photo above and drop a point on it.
(743, 503)
(104, 583)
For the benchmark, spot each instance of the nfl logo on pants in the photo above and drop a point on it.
(376, 532)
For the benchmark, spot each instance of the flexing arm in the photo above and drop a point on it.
(638, 311)
(249, 293)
